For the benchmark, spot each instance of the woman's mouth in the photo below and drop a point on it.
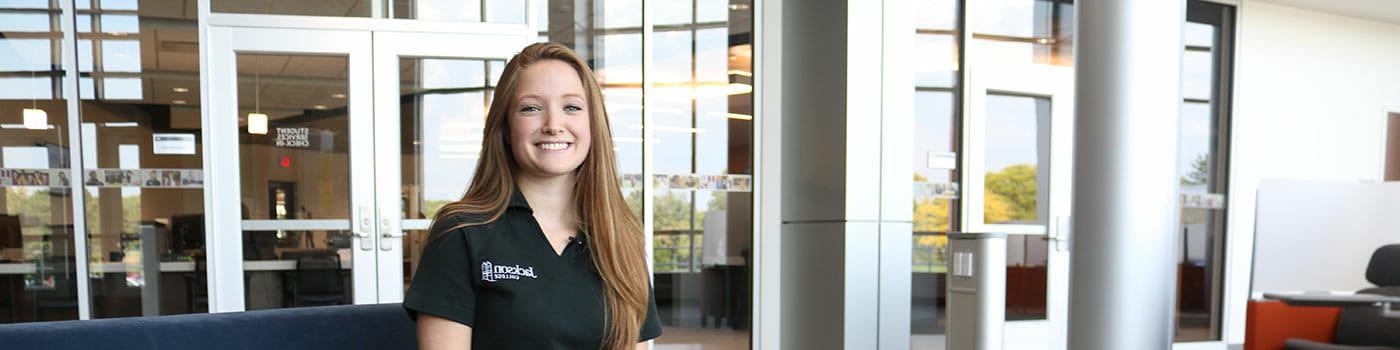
(553, 146)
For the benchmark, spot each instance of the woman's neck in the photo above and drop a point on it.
(551, 198)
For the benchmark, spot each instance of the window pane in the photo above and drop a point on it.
(1026, 277)
(443, 108)
(1024, 31)
(937, 63)
(38, 271)
(1203, 149)
(443, 111)
(1196, 69)
(464, 11)
(333, 8)
(143, 171)
(935, 164)
(1017, 144)
(294, 148)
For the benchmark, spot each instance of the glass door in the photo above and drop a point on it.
(1020, 140)
(341, 163)
(431, 100)
(291, 157)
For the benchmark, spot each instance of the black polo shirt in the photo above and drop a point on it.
(505, 281)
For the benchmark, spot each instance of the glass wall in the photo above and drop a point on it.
(38, 271)
(142, 173)
(701, 135)
(141, 131)
(1204, 153)
(936, 155)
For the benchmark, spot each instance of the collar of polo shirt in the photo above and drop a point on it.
(517, 200)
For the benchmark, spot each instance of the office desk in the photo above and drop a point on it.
(150, 293)
(168, 266)
(1385, 302)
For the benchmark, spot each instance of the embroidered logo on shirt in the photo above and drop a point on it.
(492, 272)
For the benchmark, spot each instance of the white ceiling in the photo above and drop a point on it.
(1378, 10)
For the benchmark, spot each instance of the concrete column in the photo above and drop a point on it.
(1125, 180)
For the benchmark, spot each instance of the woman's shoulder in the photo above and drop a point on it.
(463, 224)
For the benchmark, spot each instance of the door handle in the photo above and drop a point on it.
(364, 227)
(1061, 233)
(387, 232)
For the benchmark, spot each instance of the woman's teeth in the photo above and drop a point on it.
(554, 146)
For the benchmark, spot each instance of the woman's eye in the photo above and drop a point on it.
(529, 109)
(572, 108)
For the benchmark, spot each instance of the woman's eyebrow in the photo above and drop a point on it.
(538, 97)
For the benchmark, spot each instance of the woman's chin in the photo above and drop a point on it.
(547, 172)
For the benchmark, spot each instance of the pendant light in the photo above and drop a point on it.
(257, 121)
(35, 118)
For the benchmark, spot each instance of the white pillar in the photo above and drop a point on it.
(1125, 175)
(846, 208)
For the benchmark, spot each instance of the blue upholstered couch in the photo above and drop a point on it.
(384, 326)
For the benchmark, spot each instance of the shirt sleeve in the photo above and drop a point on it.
(442, 286)
(651, 326)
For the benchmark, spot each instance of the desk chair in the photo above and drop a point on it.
(1363, 327)
(197, 286)
(64, 295)
(318, 280)
(11, 242)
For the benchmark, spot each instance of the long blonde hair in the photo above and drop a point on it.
(615, 236)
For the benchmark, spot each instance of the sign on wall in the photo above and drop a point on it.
(172, 144)
(293, 137)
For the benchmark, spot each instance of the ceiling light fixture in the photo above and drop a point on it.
(257, 122)
(35, 118)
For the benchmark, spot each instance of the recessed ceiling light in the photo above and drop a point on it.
(178, 102)
(181, 90)
(337, 95)
(319, 106)
(120, 124)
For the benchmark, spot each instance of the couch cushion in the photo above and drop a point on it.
(382, 326)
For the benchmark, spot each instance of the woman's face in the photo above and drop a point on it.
(549, 126)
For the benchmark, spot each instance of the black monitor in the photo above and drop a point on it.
(187, 232)
(10, 233)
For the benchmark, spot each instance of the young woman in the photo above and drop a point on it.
(542, 252)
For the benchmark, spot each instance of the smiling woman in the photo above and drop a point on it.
(549, 131)
(544, 224)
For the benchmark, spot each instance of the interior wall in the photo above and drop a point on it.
(1312, 93)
